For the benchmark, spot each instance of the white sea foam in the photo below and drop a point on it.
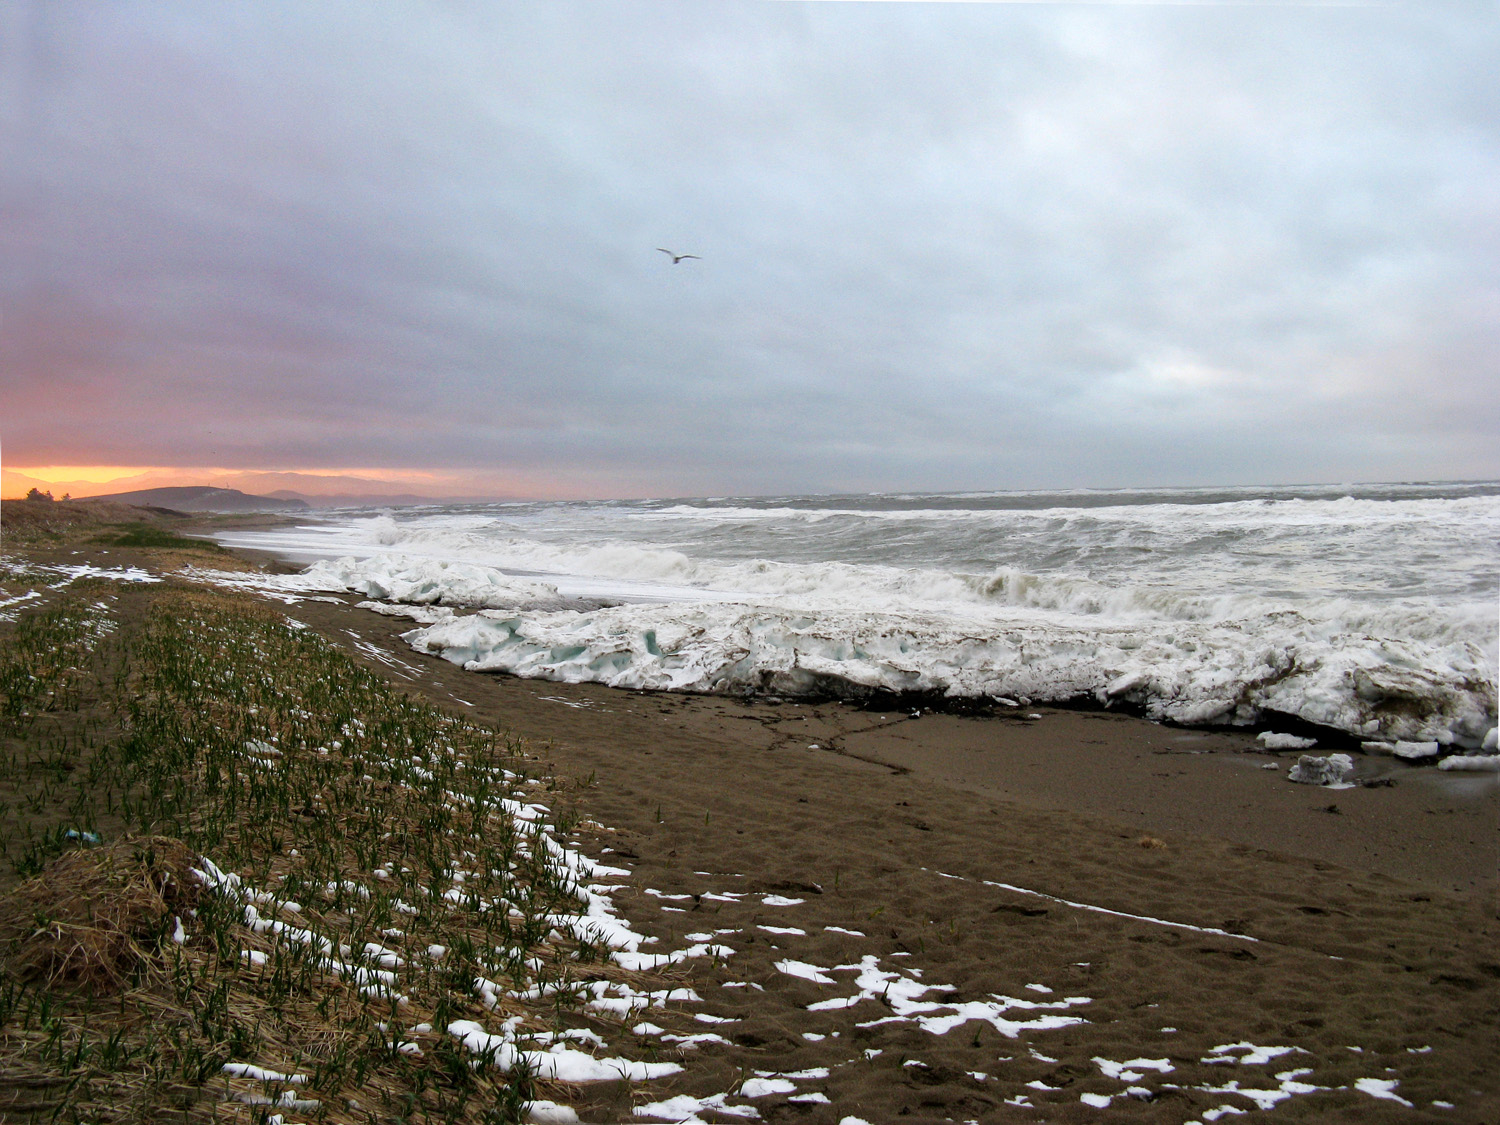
(428, 582)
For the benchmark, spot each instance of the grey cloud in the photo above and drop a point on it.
(942, 245)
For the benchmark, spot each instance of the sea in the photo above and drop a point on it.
(1371, 611)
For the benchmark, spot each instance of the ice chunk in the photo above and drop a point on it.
(1416, 751)
(1312, 770)
(1488, 763)
(550, 1113)
(1273, 741)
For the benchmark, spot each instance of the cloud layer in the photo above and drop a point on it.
(942, 245)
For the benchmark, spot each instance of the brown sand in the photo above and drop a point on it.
(1373, 908)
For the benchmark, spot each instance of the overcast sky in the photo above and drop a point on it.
(942, 246)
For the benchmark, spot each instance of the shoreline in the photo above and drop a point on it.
(994, 854)
(1404, 821)
(1332, 680)
(1430, 827)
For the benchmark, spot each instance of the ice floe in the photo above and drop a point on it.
(1009, 636)
(1272, 741)
(1331, 772)
(1478, 763)
(1200, 673)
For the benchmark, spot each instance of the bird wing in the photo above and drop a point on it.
(695, 257)
(667, 252)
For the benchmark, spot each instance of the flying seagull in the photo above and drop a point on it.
(678, 257)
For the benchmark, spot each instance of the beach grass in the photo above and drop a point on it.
(242, 876)
(149, 535)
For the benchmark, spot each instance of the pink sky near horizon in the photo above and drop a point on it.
(83, 481)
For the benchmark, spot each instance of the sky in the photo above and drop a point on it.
(940, 246)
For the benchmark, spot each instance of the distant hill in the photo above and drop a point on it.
(357, 499)
(202, 498)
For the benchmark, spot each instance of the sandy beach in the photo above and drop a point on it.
(1045, 915)
(1357, 918)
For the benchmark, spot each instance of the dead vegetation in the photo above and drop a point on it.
(93, 918)
(54, 531)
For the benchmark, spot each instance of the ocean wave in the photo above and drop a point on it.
(854, 588)
(401, 581)
(1158, 512)
(1289, 548)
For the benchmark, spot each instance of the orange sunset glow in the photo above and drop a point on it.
(344, 483)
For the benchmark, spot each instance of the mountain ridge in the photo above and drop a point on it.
(206, 498)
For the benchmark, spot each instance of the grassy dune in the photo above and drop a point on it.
(243, 876)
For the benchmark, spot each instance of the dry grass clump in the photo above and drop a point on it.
(94, 917)
(1151, 842)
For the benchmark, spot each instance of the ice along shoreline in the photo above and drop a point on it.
(1286, 674)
